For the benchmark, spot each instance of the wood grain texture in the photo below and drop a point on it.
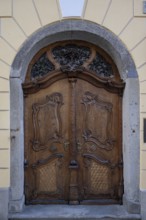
(73, 132)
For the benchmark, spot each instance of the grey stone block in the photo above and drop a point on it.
(143, 204)
(17, 140)
(16, 206)
(72, 212)
(131, 206)
(131, 140)
(4, 194)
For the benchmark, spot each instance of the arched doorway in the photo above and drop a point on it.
(99, 36)
(73, 126)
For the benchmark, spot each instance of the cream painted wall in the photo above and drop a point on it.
(20, 18)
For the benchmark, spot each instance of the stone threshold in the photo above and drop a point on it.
(72, 212)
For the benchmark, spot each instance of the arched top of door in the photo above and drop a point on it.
(72, 59)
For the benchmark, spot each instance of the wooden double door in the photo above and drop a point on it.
(73, 144)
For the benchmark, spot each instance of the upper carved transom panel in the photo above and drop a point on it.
(71, 56)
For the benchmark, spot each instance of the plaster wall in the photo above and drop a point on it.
(20, 18)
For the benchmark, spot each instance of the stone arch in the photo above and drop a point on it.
(95, 34)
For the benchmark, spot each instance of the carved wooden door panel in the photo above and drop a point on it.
(46, 145)
(98, 142)
(73, 150)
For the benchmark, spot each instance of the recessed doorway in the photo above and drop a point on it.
(73, 126)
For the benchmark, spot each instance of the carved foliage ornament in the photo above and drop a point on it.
(42, 67)
(71, 57)
(101, 67)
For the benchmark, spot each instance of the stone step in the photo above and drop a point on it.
(72, 212)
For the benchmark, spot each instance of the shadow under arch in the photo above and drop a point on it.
(100, 36)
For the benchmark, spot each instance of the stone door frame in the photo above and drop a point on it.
(95, 34)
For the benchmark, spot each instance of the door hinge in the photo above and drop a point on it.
(25, 163)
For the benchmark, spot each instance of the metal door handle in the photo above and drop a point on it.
(25, 163)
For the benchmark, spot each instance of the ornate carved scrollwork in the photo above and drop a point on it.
(101, 67)
(53, 104)
(77, 59)
(42, 162)
(71, 57)
(97, 159)
(41, 67)
(90, 100)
